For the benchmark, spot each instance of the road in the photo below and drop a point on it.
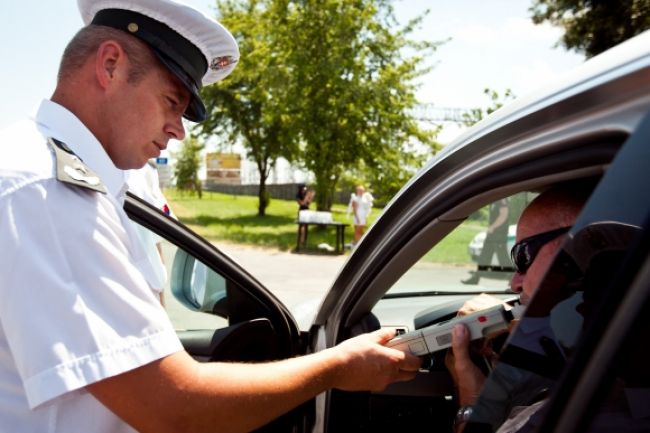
(299, 280)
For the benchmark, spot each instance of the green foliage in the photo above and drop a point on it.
(227, 218)
(352, 87)
(475, 115)
(223, 217)
(325, 84)
(453, 248)
(250, 105)
(188, 161)
(591, 26)
(389, 173)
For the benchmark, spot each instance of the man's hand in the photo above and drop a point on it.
(480, 302)
(467, 376)
(367, 364)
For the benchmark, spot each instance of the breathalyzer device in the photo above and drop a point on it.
(438, 336)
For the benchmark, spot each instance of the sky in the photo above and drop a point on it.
(491, 44)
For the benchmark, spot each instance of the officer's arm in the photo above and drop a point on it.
(177, 393)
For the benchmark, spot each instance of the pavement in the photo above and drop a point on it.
(299, 280)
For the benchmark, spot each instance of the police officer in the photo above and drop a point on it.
(84, 344)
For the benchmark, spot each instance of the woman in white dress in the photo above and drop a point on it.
(360, 206)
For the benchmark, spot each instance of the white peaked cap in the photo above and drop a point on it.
(197, 49)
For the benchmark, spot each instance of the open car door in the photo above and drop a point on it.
(220, 311)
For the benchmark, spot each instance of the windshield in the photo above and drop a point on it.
(473, 258)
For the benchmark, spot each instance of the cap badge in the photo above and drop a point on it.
(132, 27)
(222, 62)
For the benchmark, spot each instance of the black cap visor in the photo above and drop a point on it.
(195, 110)
(181, 57)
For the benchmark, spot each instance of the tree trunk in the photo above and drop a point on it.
(262, 193)
(263, 197)
(324, 193)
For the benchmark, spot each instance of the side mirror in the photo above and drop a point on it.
(198, 287)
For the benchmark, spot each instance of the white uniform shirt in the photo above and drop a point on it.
(76, 304)
(144, 184)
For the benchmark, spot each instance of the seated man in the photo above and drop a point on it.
(540, 232)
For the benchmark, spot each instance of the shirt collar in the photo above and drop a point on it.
(56, 121)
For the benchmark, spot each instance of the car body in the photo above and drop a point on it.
(475, 247)
(593, 123)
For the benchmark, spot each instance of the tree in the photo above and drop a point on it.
(188, 161)
(593, 26)
(475, 115)
(390, 172)
(352, 86)
(249, 105)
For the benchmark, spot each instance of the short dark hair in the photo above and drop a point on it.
(88, 39)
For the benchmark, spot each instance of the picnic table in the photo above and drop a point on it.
(340, 234)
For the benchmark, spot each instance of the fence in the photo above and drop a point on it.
(285, 191)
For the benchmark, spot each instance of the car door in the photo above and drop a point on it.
(220, 312)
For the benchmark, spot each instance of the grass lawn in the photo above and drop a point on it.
(222, 217)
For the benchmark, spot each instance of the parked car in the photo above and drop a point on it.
(593, 123)
(475, 246)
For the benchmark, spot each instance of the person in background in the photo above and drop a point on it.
(304, 197)
(145, 184)
(85, 345)
(360, 206)
(495, 244)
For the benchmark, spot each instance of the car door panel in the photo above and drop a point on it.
(249, 341)
(250, 325)
(246, 301)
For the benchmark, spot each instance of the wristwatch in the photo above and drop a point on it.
(462, 416)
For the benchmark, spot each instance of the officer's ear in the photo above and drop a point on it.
(109, 63)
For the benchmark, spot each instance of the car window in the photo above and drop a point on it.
(474, 257)
(163, 256)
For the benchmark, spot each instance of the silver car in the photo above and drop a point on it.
(475, 247)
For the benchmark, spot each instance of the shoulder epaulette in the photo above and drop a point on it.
(71, 169)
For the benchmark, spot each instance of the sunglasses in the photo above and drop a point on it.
(523, 253)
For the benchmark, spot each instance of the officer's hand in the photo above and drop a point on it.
(367, 364)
